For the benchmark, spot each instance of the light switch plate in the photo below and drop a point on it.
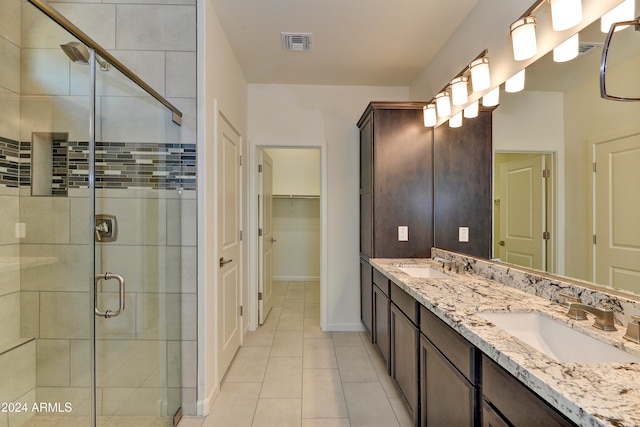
(403, 233)
(463, 234)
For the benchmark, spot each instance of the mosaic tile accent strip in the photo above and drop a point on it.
(9, 162)
(118, 165)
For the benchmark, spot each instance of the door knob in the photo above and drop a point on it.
(273, 240)
(501, 242)
(223, 261)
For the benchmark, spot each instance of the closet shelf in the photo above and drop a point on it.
(294, 196)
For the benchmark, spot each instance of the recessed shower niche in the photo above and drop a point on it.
(49, 163)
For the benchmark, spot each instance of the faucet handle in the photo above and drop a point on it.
(633, 330)
(574, 313)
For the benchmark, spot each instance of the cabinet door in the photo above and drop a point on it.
(490, 418)
(447, 398)
(366, 185)
(366, 283)
(380, 335)
(404, 359)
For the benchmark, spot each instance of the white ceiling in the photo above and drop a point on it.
(355, 42)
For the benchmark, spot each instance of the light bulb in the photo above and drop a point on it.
(459, 93)
(565, 14)
(429, 113)
(567, 50)
(492, 98)
(472, 110)
(443, 104)
(456, 120)
(480, 77)
(515, 83)
(523, 38)
(625, 11)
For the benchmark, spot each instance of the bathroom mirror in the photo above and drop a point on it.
(561, 119)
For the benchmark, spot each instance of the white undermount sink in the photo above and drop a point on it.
(423, 272)
(557, 340)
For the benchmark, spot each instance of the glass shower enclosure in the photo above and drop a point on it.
(91, 183)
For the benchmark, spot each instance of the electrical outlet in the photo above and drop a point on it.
(403, 233)
(463, 234)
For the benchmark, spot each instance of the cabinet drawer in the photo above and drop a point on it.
(405, 302)
(518, 404)
(460, 352)
(381, 281)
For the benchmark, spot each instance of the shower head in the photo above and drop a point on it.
(78, 53)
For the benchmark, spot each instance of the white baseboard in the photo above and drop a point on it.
(345, 327)
(296, 278)
(204, 406)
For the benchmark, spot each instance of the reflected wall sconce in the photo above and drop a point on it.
(480, 76)
(565, 14)
(443, 104)
(456, 120)
(515, 83)
(459, 91)
(429, 113)
(491, 98)
(625, 11)
(567, 50)
(472, 110)
(523, 38)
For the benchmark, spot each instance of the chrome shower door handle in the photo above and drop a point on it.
(107, 314)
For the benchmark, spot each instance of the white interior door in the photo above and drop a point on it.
(617, 202)
(522, 212)
(228, 244)
(266, 239)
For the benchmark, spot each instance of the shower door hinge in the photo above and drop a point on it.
(546, 235)
(259, 296)
(259, 232)
(259, 168)
(241, 311)
(546, 173)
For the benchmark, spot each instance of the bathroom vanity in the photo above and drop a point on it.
(455, 367)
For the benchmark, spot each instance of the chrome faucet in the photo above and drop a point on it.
(604, 316)
(451, 265)
(445, 262)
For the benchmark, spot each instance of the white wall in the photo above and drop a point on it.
(295, 172)
(325, 117)
(221, 87)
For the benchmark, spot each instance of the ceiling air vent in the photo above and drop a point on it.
(296, 41)
(586, 47)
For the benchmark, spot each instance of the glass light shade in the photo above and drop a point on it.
(480, 77)
(429, 113)
(565, 14)
(456, 120)
(625, 11)
(443, 104)
(567, 50)
(459, 94)
(472, 110)
(492, 98)
(515, 83)
(523, 38)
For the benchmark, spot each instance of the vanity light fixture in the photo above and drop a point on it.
(523, 38)
(429, 113)
(567, 50)
(480, 77)
(471, 110)
(443, 104)
(459, 92)
(625, 11)
(515, 83)
(565, 14)
(492, 98)
(456, 120)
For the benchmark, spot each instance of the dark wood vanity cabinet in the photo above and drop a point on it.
(380, 334)
(506, 400)
(449, 390)
(404, 348)
(366, 294)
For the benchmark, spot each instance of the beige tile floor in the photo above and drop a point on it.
(290, 373)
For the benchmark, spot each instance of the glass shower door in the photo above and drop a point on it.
(137, 255)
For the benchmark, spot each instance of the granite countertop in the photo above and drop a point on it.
(590, 394)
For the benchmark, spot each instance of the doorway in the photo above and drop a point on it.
(523, 222)
(288, 200)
